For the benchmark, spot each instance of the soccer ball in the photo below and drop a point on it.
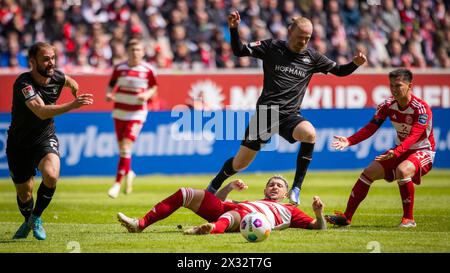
(255, 227)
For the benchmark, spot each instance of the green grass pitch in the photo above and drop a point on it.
(82, 218)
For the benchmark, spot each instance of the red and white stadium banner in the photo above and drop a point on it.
(241, 91)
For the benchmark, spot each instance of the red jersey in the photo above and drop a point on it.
(413, 125)
(131, 81)
(280, 215)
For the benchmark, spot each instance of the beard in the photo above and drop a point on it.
(45, 72)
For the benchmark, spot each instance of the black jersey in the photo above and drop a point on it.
(26, 128)
(286, 73)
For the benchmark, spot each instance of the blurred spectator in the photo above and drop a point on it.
(390, 15)
(13, 57)
(350, 16)
(94, 12)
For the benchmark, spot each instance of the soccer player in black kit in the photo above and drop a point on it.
(32, 142)
(288, 67)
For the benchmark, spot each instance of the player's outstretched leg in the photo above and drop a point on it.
(357, 195)
(226, 171)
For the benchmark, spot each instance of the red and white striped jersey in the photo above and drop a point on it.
(130, 82)
(413, 124)
(280, 215)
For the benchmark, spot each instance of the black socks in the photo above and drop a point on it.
(226, 171)
(44, 196)
(304, 157)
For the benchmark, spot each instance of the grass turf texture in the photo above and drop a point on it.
(82, 218)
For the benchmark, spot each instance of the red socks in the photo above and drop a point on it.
(359, 192)
(221, 225)
(123, 168)
(163, 209)
(407, 193)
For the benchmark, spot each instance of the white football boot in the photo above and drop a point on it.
(131, 224)
(114, 191)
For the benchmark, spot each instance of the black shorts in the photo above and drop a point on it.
(260, 134)
(23, 162)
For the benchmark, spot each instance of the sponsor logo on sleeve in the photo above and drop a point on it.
(28, 92)
(423, 118)
(257, 43)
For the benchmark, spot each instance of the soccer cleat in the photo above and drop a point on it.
(294, 196)
(35, 223)
(131, 224)
(200, 230)
(407, 223)
(23, 231)
(114, 191)
(338, 219)
(129, 182)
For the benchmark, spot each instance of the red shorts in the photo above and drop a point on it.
(421, 159)
(127, 129)
(212, 207)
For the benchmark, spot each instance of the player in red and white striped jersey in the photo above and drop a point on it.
(225, 216)
(136, 84)
(411, 158)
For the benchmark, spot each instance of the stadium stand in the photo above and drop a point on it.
(192, 34)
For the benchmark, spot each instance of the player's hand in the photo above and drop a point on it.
(82, 100)
(340, 143)
(390, 154)
(238, 185)
(317, 205)
(234, 19)
(109, 97)
(359, 59)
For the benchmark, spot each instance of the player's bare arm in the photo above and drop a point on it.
(109, 94)
(237, 185)
(72, 84)
(38, 107)
(319, 222)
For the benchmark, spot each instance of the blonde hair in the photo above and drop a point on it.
(301, 21)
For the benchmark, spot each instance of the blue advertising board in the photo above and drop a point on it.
(194, 142)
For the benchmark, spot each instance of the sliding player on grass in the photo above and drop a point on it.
(225, 215)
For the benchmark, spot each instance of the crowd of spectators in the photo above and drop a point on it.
(90, 35)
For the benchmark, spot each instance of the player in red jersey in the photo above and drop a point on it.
(408, 161)
(225, 215)
(136, 84)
